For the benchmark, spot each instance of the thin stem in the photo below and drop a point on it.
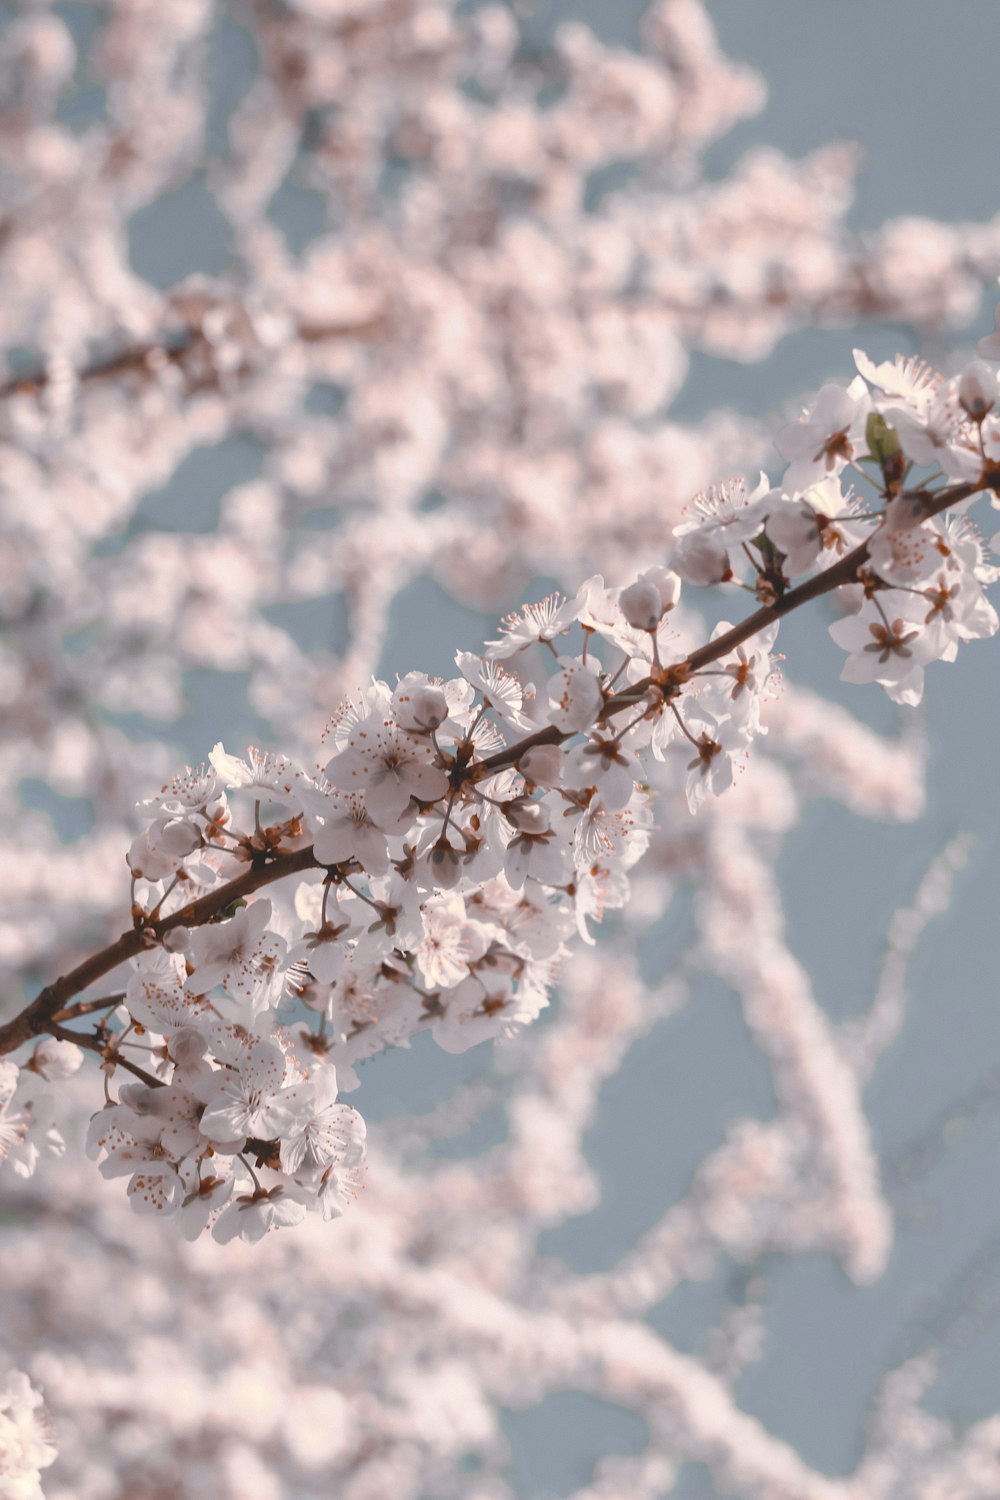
(616, 739)
(885, 617)
(685, 731)
(87, 1007)
(104, 1050)
(253, 1174)
(363, 895)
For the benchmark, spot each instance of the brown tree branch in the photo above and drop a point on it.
(105, 1050)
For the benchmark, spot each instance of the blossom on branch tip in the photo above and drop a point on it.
(827, 436)
(535, 622)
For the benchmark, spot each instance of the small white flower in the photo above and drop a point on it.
(242, 1101)
(716, 741)
(575, 695)
(261, 771)
(342, 829)
(26, 1445)
(250, 1215)
(536, 622)
(190, 791)
(322, 1132)
(537, 850)
(388, 767)
(241, 956)
(450, 942)
(724, 516)
(604, 766)
(500, 688)
(826, 437)
(889, 648)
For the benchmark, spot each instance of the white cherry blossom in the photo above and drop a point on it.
(827, 436)
(389, 767)
(544, 621)
(242, 956)
(886, 646)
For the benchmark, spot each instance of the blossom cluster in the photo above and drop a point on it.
(460, 832)
(919, 591)
(26, 1446)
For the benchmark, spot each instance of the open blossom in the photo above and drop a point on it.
(389, 767)
(575, 695)
(13, 1121)
(26, 1129)
(499, 688)
(241, 956)
(735, 688)
(250, 1215)
(605, 766)
(321, 1133)
(888, 648)
(817, 526)
(450, 943)
(715, 740)
(724, 517)
(243, 1099)
(261, 771)
(190, 790)
(536, 622)
(827, 436)
(342, 828)
(538, 849)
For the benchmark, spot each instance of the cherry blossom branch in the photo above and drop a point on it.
(105, 1050)
(269, 866)
(38, 1016)
(840, 573)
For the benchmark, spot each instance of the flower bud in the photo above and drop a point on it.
(667, 582)
(55, 1060)
(642, 605)
(541, 764)
(445, 865)
(701, 560)
(527, 817)
(978, 389)
(418, 703)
